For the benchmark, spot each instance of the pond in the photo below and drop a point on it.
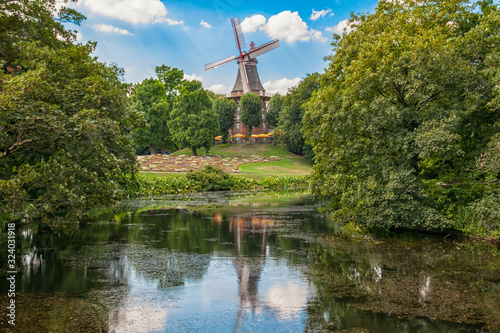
(247, 262)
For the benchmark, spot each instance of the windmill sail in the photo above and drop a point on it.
(218, 63)
(244, 77)
(238, 33)
(264, 48)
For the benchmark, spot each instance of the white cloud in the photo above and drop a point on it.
(317, 36)
(339, 28)
(316, 14)
(252, 23)
(205, 24)
(219, 89)
(192, 77)
(132, 11)
(79, 36)
(110, 28)
(169, 21)
(285, 25)
(281, 85)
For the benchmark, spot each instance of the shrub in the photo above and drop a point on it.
(210, 178)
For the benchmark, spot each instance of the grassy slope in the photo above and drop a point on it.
(290, 164)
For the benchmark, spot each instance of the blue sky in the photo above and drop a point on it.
(141, 34)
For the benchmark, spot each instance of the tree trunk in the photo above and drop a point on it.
(249, 135)
(194, 151)
(152, 148)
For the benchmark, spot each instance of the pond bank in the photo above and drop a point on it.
(248, 261)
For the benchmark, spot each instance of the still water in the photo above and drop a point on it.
(248, 262)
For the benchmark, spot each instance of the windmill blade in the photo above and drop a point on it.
(244, 77)
(238, 33)
(264, 48)
(218, 63)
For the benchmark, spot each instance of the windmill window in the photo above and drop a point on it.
(237, 125)
(263, 125)
(237, 117)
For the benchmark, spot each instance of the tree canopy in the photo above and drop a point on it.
(273, 110)
(149, 97)
(226, 111)
(193, 123)
(64, 123)
(250, 112)
(289, 129)
(407, 106)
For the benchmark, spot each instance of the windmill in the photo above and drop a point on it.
(247, 74)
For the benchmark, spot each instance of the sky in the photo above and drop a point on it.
(139, 35)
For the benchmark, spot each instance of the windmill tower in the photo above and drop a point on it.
(247, 79)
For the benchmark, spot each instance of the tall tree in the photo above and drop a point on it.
(274, 110)
(291, 115)
(171, 77)
(64, 122)
(226, 110)
(193, 123)
(64, 135)
(28, 20)
(402, 110)
(251, 112)
(149, 97)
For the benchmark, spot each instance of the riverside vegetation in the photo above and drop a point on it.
(403, 126)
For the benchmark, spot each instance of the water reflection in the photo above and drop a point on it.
(247, 267)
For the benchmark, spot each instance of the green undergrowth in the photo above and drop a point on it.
(153, 185)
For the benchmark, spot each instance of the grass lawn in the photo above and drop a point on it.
(290, 164)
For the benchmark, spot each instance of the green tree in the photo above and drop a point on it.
(226, 111)
(274, 110)
(28, 20)
(251, 112)
(172, 78)
(64, 135)
(290, 118)
(193, 122)
(401, 116)
(149, 98)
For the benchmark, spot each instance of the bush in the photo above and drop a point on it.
(210, 178)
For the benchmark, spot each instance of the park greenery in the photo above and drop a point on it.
(273, 110)
(405, 124)
(149, 97)
(291, 113)
(226, 111)
(193, 123)
(251, 112)
(208, 179)
(65, 142)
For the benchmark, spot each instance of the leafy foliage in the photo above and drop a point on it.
(28, 20)
(171, 78)
(289, 130)
(226, 110)
(193, 122)
(274, 110)
(210, 178)
(150, 185)
(407, 101)
(64, 135)
(250, 111)
(149, 97)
